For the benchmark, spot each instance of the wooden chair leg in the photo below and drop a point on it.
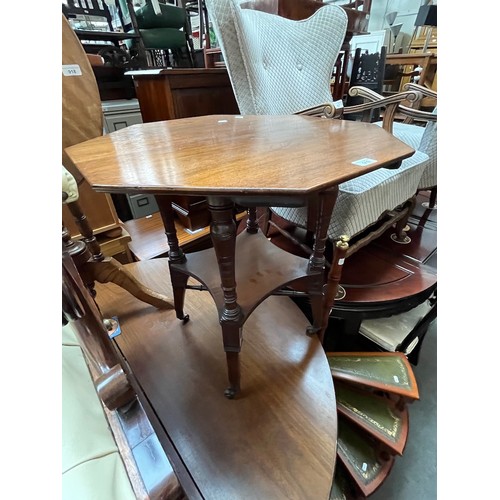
(333, 281)
(103, 269)
(110, 270)
(433, 197)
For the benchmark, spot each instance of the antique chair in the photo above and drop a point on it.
(165, 28)
(367, 71)
(100, 459)
(270, 75)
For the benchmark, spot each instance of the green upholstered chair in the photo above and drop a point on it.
(168, 31)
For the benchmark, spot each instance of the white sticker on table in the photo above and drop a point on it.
(364, 162)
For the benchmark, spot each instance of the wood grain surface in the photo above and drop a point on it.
(240, 155)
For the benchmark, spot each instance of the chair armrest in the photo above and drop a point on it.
(420, 88)
(327, 110)
(418, 114)
(375, 100)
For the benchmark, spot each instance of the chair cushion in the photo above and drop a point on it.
(422, 139)
(99, 479)
(171, 17)
(91, 463)
(390, 332)
(409, 134)
(363, 200)
(278, 78)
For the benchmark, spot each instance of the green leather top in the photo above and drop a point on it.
(357, 450)
(375, 412)
(340, 486)
(388, 370)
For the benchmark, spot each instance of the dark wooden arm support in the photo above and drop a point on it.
(374, 100)
(79, 307)
(327, 110)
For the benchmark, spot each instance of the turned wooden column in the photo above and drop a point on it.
(175, 256)
(325, 204)
(223, 233)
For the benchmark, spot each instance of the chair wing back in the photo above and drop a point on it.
(428, 145)
(222, 16)
(277, 65)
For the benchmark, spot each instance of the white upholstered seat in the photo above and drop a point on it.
(421, 138)
(361, 201)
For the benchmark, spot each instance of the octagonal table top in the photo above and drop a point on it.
(233, 154)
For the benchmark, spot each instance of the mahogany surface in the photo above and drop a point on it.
(168, 94)
(235, 155)
(277, 442)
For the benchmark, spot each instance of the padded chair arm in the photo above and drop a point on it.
(375, 100)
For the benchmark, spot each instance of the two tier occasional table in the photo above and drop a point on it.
(249, 161)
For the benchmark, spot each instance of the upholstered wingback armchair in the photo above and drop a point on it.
(272, 60)
(279, 66)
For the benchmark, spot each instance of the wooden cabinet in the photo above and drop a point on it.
(166, 94)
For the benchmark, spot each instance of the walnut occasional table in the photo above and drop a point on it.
(250, 161)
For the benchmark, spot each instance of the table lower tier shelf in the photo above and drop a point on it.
(261, 268)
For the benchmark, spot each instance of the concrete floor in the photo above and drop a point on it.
(414, 475)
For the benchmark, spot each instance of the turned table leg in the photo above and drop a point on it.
(325, 203)
(175, 256)
(223, 233)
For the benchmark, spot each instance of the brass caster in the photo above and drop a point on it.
(112, 326)
(425, 204)
(230, 393)
(404, 241)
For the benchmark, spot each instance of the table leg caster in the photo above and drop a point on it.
(312, 330)
(230, 392)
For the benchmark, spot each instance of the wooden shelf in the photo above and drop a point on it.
(265, 265)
